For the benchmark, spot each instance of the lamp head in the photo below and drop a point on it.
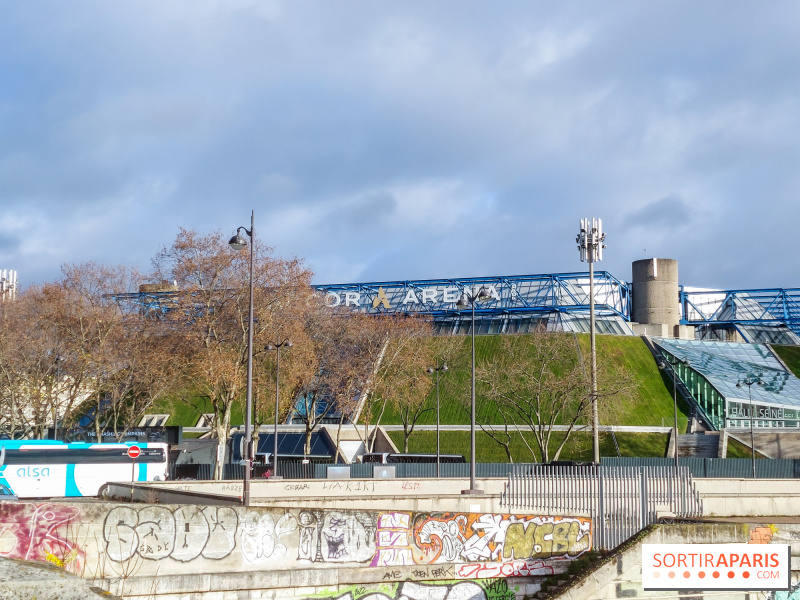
(269, 347)
(738, 384)
(483, 294)
(287, 343)
(430, 369)
(662, 364)
(444, 367)
(463, 301)
(237, 242)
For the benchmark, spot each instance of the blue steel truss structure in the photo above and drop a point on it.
(765, 307)
(517, 294)
(510, 295)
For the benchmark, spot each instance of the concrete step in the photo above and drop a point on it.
(698, 445)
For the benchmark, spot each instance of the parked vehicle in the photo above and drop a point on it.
(47, 469)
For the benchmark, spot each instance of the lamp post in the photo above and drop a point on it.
(237, 242)
(590, 243)
(469, 299)
(749, 381)
(663, 365)
(437, 369)
(277, 347)
(58, 361)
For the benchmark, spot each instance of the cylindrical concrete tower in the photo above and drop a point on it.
(655, 292)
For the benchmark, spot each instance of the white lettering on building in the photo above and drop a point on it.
(429, 294)
(450, 294)
(411, 297)
(335, 299)
(351, 298)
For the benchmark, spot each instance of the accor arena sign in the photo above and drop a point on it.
(402, 299)
(716, 567)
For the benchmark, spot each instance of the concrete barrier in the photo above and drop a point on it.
(220, 552)
(763, 498)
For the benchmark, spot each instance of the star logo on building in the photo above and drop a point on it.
(380, 298)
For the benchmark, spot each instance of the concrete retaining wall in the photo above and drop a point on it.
(190, 551)
(620, 575)
(369, 494)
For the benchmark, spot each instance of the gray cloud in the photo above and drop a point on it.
(670, 212)
(415, 139)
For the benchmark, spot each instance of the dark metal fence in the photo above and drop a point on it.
(698, 467)
(729, 468)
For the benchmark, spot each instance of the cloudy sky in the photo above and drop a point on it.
(416, 139)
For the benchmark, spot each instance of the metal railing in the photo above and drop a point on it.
(621, 501)
(726, 468)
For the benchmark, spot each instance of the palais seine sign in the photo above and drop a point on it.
(402, 298)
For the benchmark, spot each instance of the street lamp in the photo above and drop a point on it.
(663, 365)
(590, 243)
(277, 347)
(437, 369)
(58, 361)
(749, 383)
(469, 299)
(238, 242)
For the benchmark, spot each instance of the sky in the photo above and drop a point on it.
(387, 140)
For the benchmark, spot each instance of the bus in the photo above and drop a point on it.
(51, 469)
(390, 458)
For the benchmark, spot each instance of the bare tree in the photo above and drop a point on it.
(537, 382)
(211, 311)
(91, 326)
(402, 378)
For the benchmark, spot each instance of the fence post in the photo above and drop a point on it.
(600, 504)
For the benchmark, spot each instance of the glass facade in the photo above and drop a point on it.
(712, 370)
(491, 324)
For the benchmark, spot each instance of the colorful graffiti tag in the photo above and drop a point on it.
(448, 590)
(470, 545)
(40, 532)
(478, 538)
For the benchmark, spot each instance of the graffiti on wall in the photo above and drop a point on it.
(336, 536)
(478, 538)
(449, 590)
(40, 532)
(467, 545)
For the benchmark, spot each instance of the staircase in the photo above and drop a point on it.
(699, 445)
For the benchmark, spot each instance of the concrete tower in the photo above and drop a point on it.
(655, 300)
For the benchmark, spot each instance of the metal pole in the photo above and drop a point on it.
(752, 439)
(472, 487)
(675, 412)
(437, 422)
(595, 419)
(55, 404)
(248, 434)
(277, 388)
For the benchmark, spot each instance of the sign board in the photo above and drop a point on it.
(134, 451)
(338, 472)
(170, 434)
(716, 567)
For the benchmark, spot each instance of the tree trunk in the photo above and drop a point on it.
(222, 424)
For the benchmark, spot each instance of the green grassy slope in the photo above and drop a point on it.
(579, 446)
(645, 401)
(791, 356)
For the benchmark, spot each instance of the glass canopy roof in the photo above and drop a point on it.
(725, 364)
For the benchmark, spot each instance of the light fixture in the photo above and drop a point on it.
(237, 242)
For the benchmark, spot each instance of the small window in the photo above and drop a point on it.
(154, 421)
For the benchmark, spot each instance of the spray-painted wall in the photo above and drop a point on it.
(117, 543)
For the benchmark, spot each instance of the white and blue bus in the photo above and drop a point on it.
(50, 469)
